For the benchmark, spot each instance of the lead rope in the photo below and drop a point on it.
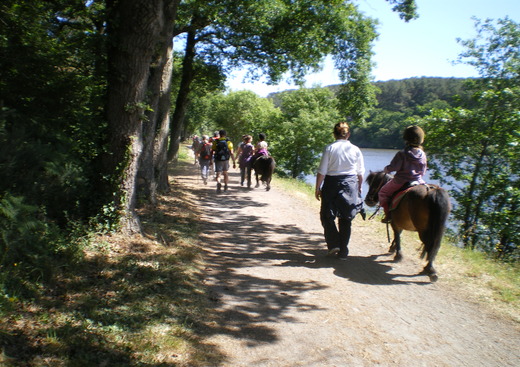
(377, 211)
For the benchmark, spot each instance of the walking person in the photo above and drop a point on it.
(222, 152)
(195, 146)
(409, 164)
(205, 155)
(338, 184)
(244, 154)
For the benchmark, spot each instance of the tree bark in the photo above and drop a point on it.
(133, 28)
(151, 174)
(177, 123)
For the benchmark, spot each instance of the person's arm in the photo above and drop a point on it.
(322, 171)
(233, 158)
(395, 164)
(319, 182)
(230, 146)
(360, 183)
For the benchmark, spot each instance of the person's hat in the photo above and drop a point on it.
(413, 135)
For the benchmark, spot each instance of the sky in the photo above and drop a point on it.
(426, 46)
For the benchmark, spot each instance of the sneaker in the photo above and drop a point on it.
(333, 251)
(343, 255)
(225, 187)
(219, 187)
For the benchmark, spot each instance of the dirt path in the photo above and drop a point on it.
(280, 301)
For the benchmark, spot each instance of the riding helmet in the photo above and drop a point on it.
(413, 135)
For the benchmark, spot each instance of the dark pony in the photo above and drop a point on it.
(423, 209)
(264, 166)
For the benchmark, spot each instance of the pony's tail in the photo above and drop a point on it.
(439, 209)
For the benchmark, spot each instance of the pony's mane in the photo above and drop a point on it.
(373, 175)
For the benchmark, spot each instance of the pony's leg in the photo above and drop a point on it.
(396, 244)
(430, 271)
(268, 184)
(257, 180)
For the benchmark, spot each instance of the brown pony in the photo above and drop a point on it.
(264, 166)
(423, 209)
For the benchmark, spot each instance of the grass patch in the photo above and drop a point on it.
(297, 188)
(483, 279)
(133, 301)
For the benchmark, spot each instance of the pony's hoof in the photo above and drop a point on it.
(268, 188)
(398, 257)
(433, 278)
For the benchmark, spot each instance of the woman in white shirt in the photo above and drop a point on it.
(338, 185)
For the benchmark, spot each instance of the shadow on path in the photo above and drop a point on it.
(238, 244)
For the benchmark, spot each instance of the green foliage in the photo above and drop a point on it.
(407, 9)
(31, 248)
(479, 147)
(50, 128)
(308, 117)
(408, 94)
(52, 69)
(241, 113)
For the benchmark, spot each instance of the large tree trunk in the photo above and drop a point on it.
(177, 123)
(133, 27)
(161, 140)
(159, 89)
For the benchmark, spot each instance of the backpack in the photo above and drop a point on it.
(205, 151)
(222, 152)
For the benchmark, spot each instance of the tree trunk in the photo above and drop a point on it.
(181, 103)
(159, 89)
(160, 149)
(133, 27)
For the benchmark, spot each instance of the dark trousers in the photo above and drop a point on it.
(245, 172)
(339, 200)
(337, 236)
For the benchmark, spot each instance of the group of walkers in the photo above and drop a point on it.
(217, 151)
(339, 177)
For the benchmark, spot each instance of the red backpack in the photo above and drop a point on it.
(205, 151)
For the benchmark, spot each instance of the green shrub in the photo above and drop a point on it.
(31, 248)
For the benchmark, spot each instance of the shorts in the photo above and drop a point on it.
(222, 166)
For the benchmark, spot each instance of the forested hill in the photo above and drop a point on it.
(401, 100)
(399, 95)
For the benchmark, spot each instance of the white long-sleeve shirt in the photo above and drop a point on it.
(342, 158)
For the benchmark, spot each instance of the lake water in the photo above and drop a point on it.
(375, 160)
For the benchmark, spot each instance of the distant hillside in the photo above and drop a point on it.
(395, 95)
(398, 100)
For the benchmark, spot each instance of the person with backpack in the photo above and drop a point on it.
(205, 155)
(222, 152)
